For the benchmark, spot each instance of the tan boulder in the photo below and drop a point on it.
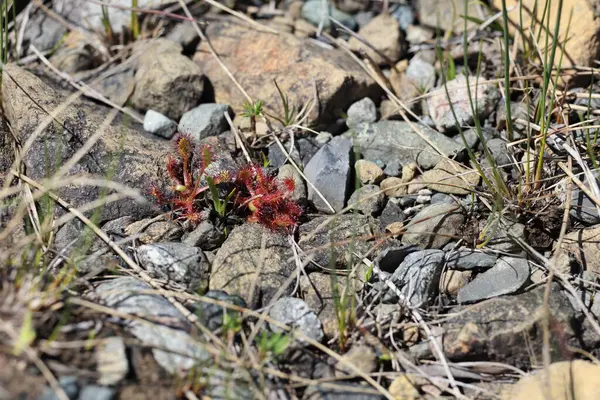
(582, 247)
(562, 381)
(383, 33)
(256, 59)
(450, 177)
(583, 45)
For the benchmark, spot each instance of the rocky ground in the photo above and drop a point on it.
(299, 200)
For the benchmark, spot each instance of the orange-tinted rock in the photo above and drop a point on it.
(257, 58)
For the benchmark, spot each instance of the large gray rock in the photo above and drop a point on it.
(418, 277)
(167, 81)
(396, 141)
(42, 31)
(123, 153)
(295, 313)
(484, 96)
(174, 349)
(243, 267)
(506, 277)
(175, 262)
(205, 120)
(330, 172)
(434, 226)
(510, 328)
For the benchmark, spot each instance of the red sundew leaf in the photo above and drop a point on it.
(245, 175)
(289, 184)
(222, 176)
(184, 146)
(158, 195)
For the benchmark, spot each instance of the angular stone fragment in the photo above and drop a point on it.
(167, 82)
(329, 171)
(451, 177)
(506, 277)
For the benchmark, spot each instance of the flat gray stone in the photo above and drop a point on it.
(418, 277)
(205, 236)
(329, 170)
(159, 124)
(205, 120)
(422, 74)
(177, 262)
(508, 275)
(434, 226)
(295, 313)
(509, 329)
(466, 259)
(396, 142)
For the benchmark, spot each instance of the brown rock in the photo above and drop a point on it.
(257, 58)
(167, 81)
(450, 177)
(405, 387)
(452, 281)
(368, 172)
(583, 44)
(122, 153)
(383, 33)
(582, 247)
(509, 329)
(393, 187)
(565, 380)
(360, 356)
